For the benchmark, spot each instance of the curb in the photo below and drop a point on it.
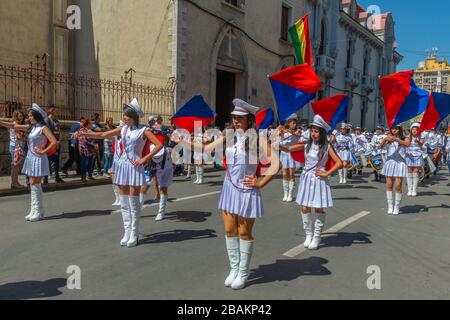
(56, 187)
(77, 184)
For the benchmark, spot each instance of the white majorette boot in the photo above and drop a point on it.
(341, 178)
(142, 200)
(33, 203)
(39, 211)
(398, 200)
(344, 180)
(290, 191)
(415, 184)
(117, 195)
(135, 212)
(390, 202)
(201, 170)
(285, 189)
(318, 227)
(189, 172)
(245, 250)
(125, 208)
(307, 226)
(162, 207)
(233, 255)
(409, 182)
(197, 175)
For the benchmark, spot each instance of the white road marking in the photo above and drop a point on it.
(178, 200)
(341, 225)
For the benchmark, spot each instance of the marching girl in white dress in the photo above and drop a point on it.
(36, 166)
(129, 168)
(414, 159)
(315, 191)
(395, 168)
(343, 143)
(240, 200)
(288, 136)
(198, 156)
(378, 150)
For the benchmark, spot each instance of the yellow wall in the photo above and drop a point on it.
(25, 30)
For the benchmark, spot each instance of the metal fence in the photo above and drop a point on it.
(77, 96)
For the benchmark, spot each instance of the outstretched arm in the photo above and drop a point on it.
(98, 135)
(16, 127)
(293, 148)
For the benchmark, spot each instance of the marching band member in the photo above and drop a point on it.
(343, 143)
(289, 135)
(240, 200)
(36, 166)
(198, 138)
(447, 150)
(378, 149)
(359, 147)
(129, 169)
(414, 159)
(395, 168)
(432, 145)
(315, 191)
(164, 173)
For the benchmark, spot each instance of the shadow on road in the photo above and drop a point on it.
(32, 289)
(344, 239)
(82, 214)
(184, 216)
(348, 198)
(178, 236)
(287, 270)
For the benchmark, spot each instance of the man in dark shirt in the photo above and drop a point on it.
(54, 159)
(98, 158)
(74, 153)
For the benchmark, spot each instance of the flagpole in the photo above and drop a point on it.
(277, 119)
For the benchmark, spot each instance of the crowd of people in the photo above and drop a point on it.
(138, 156)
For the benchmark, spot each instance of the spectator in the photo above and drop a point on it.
(108, 148)
(99, 149)
(74, 153)
(17, 142)
(54, 157)
(87, 150)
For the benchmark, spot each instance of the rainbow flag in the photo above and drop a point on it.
(299, 33)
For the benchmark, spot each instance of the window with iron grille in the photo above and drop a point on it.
(236, 3)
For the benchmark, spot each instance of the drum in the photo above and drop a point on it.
(376, 163)
(356, 161)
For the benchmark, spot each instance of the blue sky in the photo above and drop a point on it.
(419, 25)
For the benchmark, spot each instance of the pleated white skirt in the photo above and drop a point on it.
(244, 204)
(314, 192)
(412, 161)
(344, 155)
(125, 174)
(395, 168)
(287, 161)
(35, 166)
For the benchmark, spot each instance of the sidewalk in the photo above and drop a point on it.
(70, 182)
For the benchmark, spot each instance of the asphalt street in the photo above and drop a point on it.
(184, 256)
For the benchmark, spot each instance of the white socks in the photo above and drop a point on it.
(345, 175)
(390, 202)
(341, 176)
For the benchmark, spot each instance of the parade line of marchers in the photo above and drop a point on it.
(327, 145)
